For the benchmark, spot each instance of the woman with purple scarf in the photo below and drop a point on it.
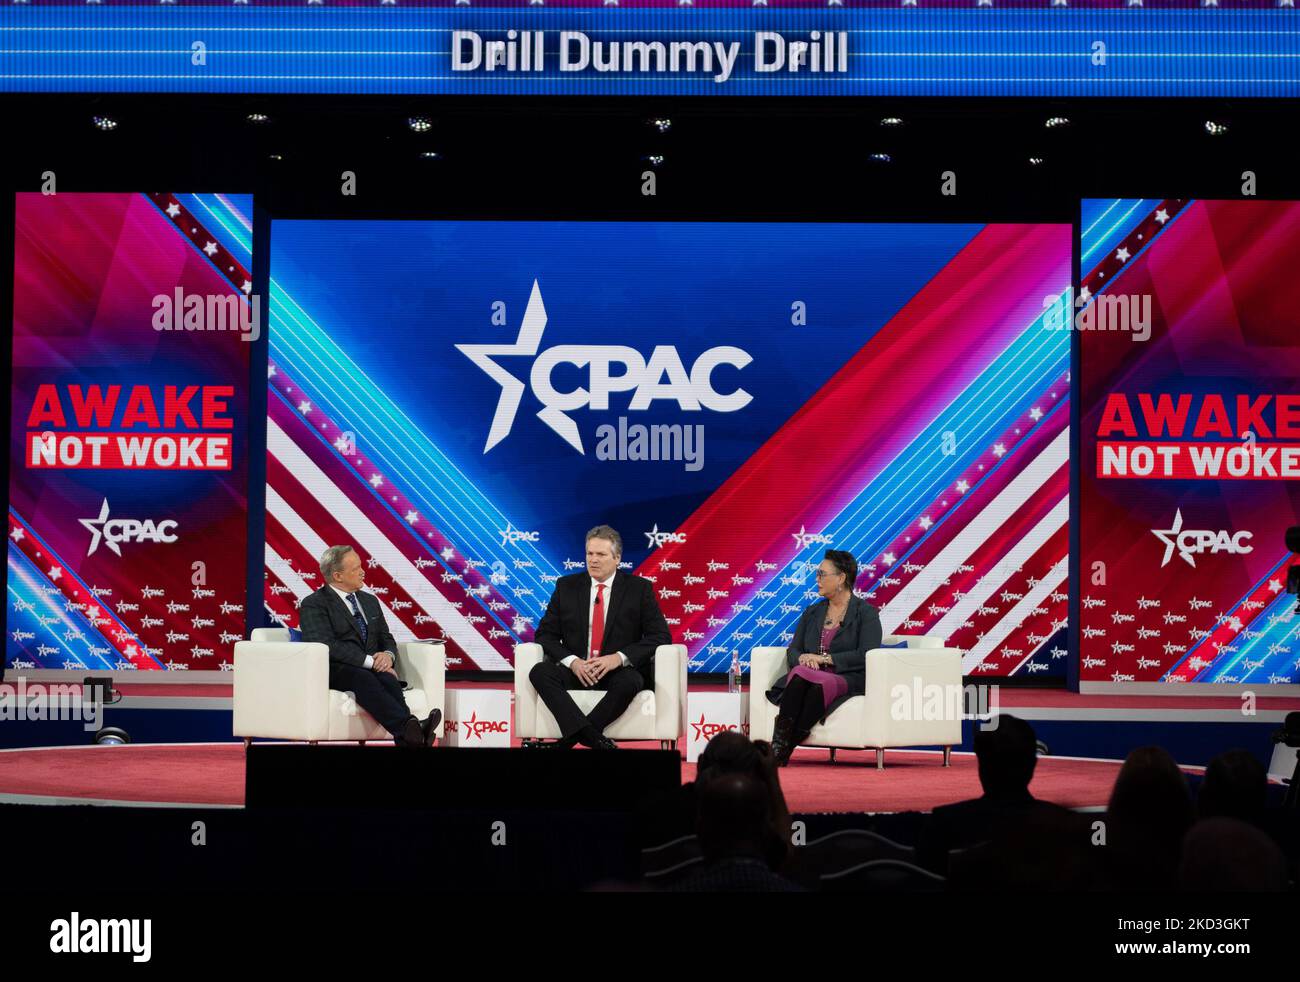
(827, 655)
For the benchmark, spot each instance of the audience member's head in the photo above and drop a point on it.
(1007, 755)
(1151, 793)
(1227, 854)
(1235, 786)
(734, 817)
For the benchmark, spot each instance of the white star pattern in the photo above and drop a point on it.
(998, 450)
(173, 210)
(1162, 216)
(55, 573)
(1035, 414)
(304, 407)
(412, 517)
(1274, 585)
(448, 554)
(376, 480)
(1121, 254)
(270, 371)
(925, 522)
(247, 287)
(210, 248)
(962, 487)
(16, 534)
(1085, 294)
(888, 558)
(343, 445)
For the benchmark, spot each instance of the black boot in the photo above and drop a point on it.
(783, 740)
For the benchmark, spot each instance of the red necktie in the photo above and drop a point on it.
(597, 622)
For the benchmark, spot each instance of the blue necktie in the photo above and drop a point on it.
(356, 616)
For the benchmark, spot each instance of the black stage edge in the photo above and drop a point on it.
(297, 776)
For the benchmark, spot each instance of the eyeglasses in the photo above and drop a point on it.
(822, 574)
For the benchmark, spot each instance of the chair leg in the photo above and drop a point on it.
(248, 742)
(832, 755)
(947, 756)
(361, 743)
(312, 743)
(880, 759)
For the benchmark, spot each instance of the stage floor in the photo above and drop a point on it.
(212, 775)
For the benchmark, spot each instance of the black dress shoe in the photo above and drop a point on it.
(605, 743)
(430, 726)
(411, 734)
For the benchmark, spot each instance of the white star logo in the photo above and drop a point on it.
(56, 573)
(1169, 537)
(247, 287)
(1121, 255)
(1274, 585)
(173, 210)
(412, 517)
(448, 554)
(512, 390)
(210, 248)
(888, 558)
(376, 480)
(304, 407)
(16, 534)
(925, 522)
(96, 528)
(998, 450)
(962, 487)
(1162, 216)
(1035, 414)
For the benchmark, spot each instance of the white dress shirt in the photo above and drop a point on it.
(343, 595)
(608, 584)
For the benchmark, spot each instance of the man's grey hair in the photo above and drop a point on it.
(605, 532)
(331, 562)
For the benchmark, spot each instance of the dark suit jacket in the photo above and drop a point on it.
(324, 617)
(859, 633)
(634, 624)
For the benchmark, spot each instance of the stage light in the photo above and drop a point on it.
(655, 160)
(1215, 128)
(1056, 121)
(430, 155)
(1035, 161)
(662, 124)
(112, 736)
(105, 123)
(257, 118)
(420, 124)
(274, 156)
(881, 158)
(892, 121)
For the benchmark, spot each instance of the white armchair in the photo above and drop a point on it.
(282, 690)
(655, 714)
(878, 719)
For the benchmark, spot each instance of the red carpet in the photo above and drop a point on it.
(213, 774)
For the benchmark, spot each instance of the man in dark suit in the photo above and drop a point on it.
(362, 651)
(600, 630)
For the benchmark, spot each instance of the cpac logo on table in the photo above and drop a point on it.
(475, 727)
(1193, 542)
(644, 378)
(116, 530)
(707, 731)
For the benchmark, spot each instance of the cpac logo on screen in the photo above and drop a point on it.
(1193, 542)
(661, 377)
(116, 530)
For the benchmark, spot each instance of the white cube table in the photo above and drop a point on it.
(711, 713)
(476, 717)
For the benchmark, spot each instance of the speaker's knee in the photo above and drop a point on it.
(541, 670)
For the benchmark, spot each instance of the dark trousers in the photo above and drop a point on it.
(553, 682)
(378, 693)
(803, 703)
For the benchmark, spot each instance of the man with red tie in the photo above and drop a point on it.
(600, 630)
